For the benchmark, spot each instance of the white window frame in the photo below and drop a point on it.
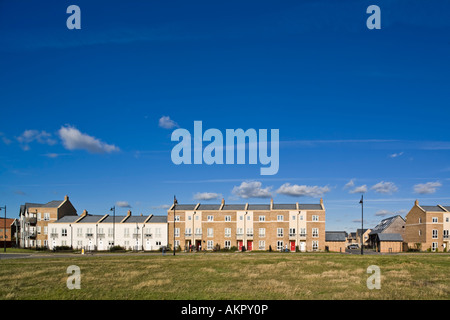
(262, 245)
(315, 245)
(210, 232)
(315, 232)
(434, 234)
(209, 244)
(227, 233)
(280, 245)
(227, 244)
(210, 218)
(315, 218)
(262, 232)
(280, 217)
(434, 220)
(262, 218)
(434, 246)
(227, 218)
(177, 232)
(280, 232)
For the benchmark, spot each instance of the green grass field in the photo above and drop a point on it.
(238, 276)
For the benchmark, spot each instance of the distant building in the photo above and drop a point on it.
(365, 235)
(251, 226)
(427, 227)
(101, 232)
(35, 217)
(336, 241)
(391, 225)
(9, 233)
(388, 242)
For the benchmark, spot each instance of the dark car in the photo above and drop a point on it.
(353, 246)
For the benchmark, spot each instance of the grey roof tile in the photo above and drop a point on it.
(335, 236)
(432, 208)
(390, 237)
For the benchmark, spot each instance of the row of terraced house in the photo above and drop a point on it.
(263, 227)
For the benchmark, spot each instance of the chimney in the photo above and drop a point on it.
(321, 201)
(66, 198)
(271, 203)
(129, 213)
(416, 202)
(223, 201)
(84, 213)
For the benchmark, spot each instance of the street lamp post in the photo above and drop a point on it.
(4, 230)
(362, 224)
(113, 209)
(175, 202)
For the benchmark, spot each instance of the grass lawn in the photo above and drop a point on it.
(237, 276)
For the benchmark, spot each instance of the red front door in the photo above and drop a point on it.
(249, 245)
(292, 245)
(240, 245)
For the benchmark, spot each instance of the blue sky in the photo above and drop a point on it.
(358, 110)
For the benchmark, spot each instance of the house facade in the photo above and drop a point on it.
(101, 232)
(34, 219)
(427, 227)
(249, 227)
(336, 241)
(391, 225)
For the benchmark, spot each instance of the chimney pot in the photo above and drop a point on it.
(129, 213)
(416, 202)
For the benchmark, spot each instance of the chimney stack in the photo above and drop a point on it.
(84, 213)
(66, 197)
(129, 213)
(271, 203)
(416, 202)
(223, 201)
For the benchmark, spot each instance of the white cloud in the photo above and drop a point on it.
(395, 155)
(162, 206)
(123, 204)
(207, 196)
(360, 189)
(73, 139)
(251, 189)
(302, 191)
(167, 123)
(29, 136)
(384, 187)
(349, 184)
(382, 213)
(427, 188)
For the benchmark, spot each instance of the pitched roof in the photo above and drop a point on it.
(390, 237)
(158, 219)
(432, 208)
(277, 206)
(110, 218)
(91, 218)
(258, 207)
(384, 224)
(136, 219)
(209, 207)
(234, 207)
(335, 236)
(67, 219)
(309, 206)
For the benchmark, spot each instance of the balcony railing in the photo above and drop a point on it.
(101, 235)
(54, 235)
(292, 234)
(188, 234)
(88, 235)
(249, 234)
(148, 235)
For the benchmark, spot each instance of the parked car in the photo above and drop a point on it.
(353, 246)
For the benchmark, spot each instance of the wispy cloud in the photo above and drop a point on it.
(251, 189)
(395, 155)
(167, 123)
(73, 139)
(302, 190)
(123, 204)
(29, 136)
(360, 189)
(384, 187)
(207, 196)
(427, 188)
(350, 184)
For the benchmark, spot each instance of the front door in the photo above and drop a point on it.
(302, 246)
(249, 245)
(100, 245)
(147, 245)
(240, 245)
(198, 244)
(292, 246)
